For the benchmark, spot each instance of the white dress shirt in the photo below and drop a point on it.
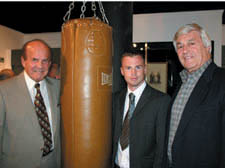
(44, 92)
(123, 156)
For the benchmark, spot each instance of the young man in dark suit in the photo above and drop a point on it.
(139, 114)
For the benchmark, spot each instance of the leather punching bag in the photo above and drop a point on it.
(86, 65)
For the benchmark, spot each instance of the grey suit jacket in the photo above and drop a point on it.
(147, 127)
(20, 135)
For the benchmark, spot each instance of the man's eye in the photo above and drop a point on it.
(45, 61)
(179, 46)
(128, 68)
(138, 67)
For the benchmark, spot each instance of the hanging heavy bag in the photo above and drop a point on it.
(86, 80)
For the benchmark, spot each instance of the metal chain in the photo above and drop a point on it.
(103, 12)
(93, 8)
(83, 9)
(68, 13)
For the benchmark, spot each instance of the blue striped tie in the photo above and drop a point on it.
(124, 138)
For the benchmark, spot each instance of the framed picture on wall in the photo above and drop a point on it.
(156, 75)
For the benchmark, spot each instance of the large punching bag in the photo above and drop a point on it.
(86, 65)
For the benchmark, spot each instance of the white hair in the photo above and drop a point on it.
(193, 27)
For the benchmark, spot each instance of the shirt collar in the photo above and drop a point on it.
(30, 82)
(137, 92)
(185, 75)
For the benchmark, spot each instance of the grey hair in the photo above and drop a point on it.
(193, 27)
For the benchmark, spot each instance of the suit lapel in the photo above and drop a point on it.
(53, 104)
(29, 112)
(119, 117)
(122, 102)
(146, 95)
(197, 96)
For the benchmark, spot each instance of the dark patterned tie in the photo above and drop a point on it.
(124, 138)
(43, 120)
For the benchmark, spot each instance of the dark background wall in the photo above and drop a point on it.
(120, 16)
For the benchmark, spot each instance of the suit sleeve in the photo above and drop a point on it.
(219, 78)
(59, 122)
(115, 97)
(2, 121)
(222, 157)
(160, 130)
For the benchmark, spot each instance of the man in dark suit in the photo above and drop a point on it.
(196, 122)
(138, 141)
(23, 141)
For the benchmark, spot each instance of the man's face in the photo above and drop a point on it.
(133, 70)
(37, 62)
(191, 51)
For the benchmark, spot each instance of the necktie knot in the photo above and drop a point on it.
(37, 86)
(132, 98)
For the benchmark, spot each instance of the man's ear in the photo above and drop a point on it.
(50, 63)
(145, 69)
(22, 61)
(208, 49)
(121, 71)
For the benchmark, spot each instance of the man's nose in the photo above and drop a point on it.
(133, 71)
(39, 64)
(185, 48)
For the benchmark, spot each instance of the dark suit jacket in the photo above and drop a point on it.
(20, 134)
(147, 127)
(200, 138)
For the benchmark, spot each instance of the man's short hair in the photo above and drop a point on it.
(24, 48)
(132, 53)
